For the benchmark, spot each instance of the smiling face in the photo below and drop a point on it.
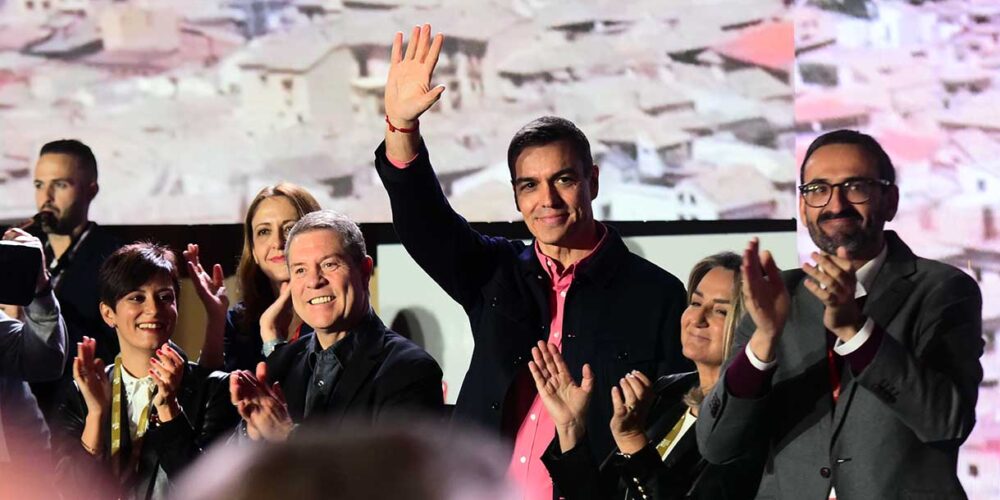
(329, 290)
(703, 324)
(63, 190)
(857, 227)
(272, 220)
(144, 318)
(554, 196)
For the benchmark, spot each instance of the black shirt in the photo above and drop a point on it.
(326, 366)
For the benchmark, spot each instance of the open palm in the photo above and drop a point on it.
(408, 93)
(565, 400)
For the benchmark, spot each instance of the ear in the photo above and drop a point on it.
(891, 202)
(802, 209)
(108, 314)
(513, 187)
(92, 190)
(367, 268)
(595, 174)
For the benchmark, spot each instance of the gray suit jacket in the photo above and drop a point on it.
(896, 428)
(30, 351)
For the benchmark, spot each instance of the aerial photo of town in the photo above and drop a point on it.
(192, 105)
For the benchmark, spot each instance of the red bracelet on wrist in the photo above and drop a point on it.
(393, 128)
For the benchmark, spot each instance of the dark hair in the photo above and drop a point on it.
(132, 266)
(255, 289)
(548, 130)
(85, 160)
(867, 143)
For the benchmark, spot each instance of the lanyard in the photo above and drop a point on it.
(116, 424)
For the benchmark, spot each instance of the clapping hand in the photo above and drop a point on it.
(767, 301)
(88, 372)
(263, 407)
(565, 400)
(630, 404)
(833, 282)
(167, 370)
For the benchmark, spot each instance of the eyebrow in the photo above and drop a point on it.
(564, 171)
(330, 256)
(717, 301)
(849, 179)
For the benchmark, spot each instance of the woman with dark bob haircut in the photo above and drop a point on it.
(151, 413)
(652, 422)
(239, 338)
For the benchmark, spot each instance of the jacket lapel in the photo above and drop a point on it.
(298, 381)
(370, 338)
(889, 290)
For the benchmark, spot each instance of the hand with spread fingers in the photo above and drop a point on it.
(630, 402)
(766, 299)
(408, 93)
(211, 288)
(167, 370)
(564, 399)
(833, 281)
(263, 407)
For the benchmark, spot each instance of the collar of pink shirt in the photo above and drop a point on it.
(552, 266)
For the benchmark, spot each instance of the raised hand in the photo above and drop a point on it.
(211, 289)
(263, 407)
(88, 372)
(276, 319)
(630, 405)
(565, 400)
(167, 369)
(833, 282)
(408, 93)
(767, 301)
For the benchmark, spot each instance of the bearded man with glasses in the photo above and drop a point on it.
(858, 374)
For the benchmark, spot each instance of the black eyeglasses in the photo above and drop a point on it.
(818, 194)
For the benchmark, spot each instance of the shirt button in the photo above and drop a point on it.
(524, 460)
(320, 383)
(534, 416)
(825, 472)
(495, 406)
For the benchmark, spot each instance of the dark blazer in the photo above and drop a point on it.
(622, 312)
(682, 474)
(896, 428)
(384, 374)
(241, 343)
(167, 449)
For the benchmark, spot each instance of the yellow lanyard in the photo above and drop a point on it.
(670, 437)
(116, 422)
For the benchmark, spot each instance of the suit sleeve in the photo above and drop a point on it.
(575, 474)
(933, 386)
(731, 427)
(456, 257)
(35, 350)
(179, 442)
(417, 387)
(75, 467)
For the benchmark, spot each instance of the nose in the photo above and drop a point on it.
(315, 279)
(550, 196)
(838, 200)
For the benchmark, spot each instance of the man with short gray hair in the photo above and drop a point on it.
(351, 364)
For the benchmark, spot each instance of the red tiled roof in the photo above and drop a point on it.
(812, 108)
(908, 146)
(770, 46)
